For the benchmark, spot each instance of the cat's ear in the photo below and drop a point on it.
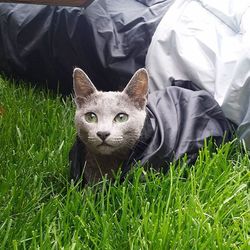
(83, 87)
(137, 88)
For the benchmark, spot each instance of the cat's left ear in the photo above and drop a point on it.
(137, 88)
(83, 87)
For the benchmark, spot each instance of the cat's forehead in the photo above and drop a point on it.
(108, 100)
(114, 97)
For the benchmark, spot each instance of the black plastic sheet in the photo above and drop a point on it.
(109, 40)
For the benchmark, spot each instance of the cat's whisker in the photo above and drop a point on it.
(91, 139)
(117, 139)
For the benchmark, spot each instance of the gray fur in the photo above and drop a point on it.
(103, 159)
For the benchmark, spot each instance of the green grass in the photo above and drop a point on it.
(202, 207)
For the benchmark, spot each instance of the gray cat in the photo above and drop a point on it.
(108, 123)
(118, 129)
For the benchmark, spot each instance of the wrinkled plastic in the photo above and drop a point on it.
(108, 39)
(207, 42)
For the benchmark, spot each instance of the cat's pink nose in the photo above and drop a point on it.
(103, 134)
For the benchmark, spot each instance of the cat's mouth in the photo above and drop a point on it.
(104, 144)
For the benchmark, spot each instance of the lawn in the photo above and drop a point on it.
(205, 206)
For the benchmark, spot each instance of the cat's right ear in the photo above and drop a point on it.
(137, 88)
(83, 87)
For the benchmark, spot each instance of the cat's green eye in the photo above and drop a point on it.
(121, 117)
(91, 117)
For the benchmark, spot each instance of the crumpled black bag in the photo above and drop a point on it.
(108, 40)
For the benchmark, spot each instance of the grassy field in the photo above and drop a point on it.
(205, 206)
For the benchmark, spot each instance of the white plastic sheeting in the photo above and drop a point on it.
(207, 42)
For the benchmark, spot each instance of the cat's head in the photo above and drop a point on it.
(110, 122)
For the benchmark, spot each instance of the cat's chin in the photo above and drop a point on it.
(105, 149)
(109, 150)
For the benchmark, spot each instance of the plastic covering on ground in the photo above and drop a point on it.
(207, 42)
(109, 40)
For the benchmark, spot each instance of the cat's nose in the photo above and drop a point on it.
(103, 134)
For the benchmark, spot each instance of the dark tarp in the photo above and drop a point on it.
(108, 40)
(178, 122)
